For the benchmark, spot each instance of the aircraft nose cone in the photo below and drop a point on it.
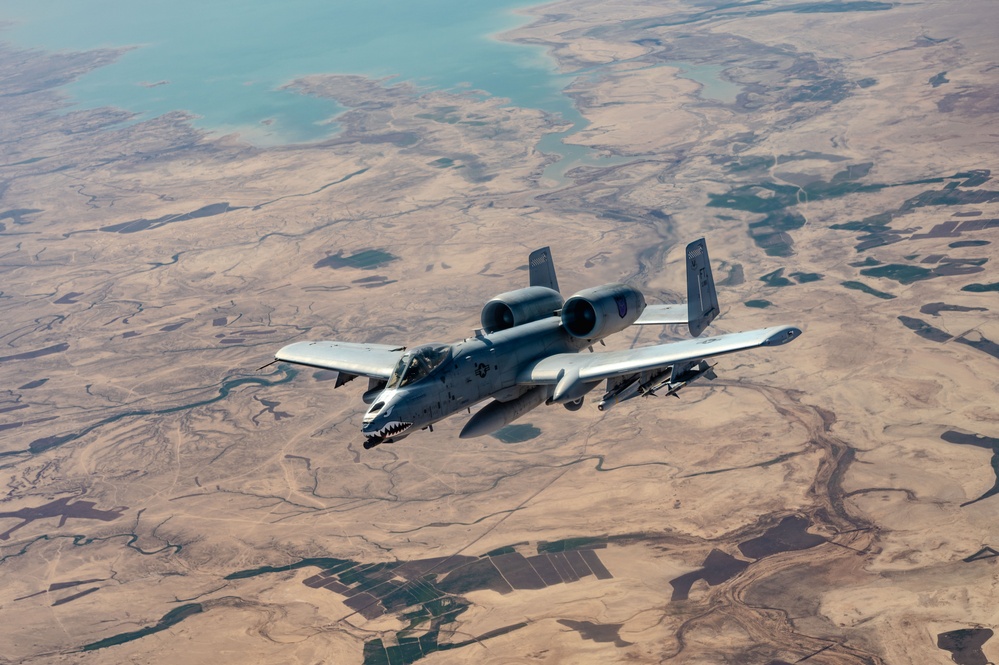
(373, 422)
(384, 423)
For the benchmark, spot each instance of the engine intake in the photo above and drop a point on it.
(515, 308)
(601, 311)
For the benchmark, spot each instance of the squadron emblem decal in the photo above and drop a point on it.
(622, 305)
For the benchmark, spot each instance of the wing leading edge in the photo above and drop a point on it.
(375, 361)
(592, 367)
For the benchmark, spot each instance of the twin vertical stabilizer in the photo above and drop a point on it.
(542, 269)
(702, 300)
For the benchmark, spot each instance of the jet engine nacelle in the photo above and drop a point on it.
(515, 308)
(601, 311)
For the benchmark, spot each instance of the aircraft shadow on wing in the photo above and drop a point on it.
(528, 354)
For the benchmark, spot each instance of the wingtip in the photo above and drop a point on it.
(784, 335)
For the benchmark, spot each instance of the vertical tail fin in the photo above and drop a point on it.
(542, 269)
(702, 300)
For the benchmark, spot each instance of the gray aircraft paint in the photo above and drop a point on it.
(527, 354)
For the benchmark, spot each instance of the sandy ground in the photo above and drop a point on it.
(148, 271)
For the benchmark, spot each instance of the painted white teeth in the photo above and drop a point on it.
(393, 428)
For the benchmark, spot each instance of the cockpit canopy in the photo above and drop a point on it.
(418, 363)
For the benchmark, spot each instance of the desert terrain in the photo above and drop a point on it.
(832, 501)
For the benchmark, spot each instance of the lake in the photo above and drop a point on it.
(225, 61)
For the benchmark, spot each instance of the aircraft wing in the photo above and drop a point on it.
(592, 367)
(375, 361)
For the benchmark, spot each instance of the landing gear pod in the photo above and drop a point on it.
(496, 414)
(601, 311)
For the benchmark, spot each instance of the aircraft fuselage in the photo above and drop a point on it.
(476, 368)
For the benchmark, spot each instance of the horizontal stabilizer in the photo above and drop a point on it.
(663, 315)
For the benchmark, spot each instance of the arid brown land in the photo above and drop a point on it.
(830, 502)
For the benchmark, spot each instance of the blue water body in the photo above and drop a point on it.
(226, 60)
(713, 86)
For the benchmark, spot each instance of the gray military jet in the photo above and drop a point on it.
(528, 354)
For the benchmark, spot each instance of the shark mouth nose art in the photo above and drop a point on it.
(386, 434)
(393, 428)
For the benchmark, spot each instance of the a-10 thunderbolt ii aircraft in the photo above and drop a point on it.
(528, 354)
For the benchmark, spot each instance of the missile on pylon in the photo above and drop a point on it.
(702, 369)
(640, 385)
(619, 395)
